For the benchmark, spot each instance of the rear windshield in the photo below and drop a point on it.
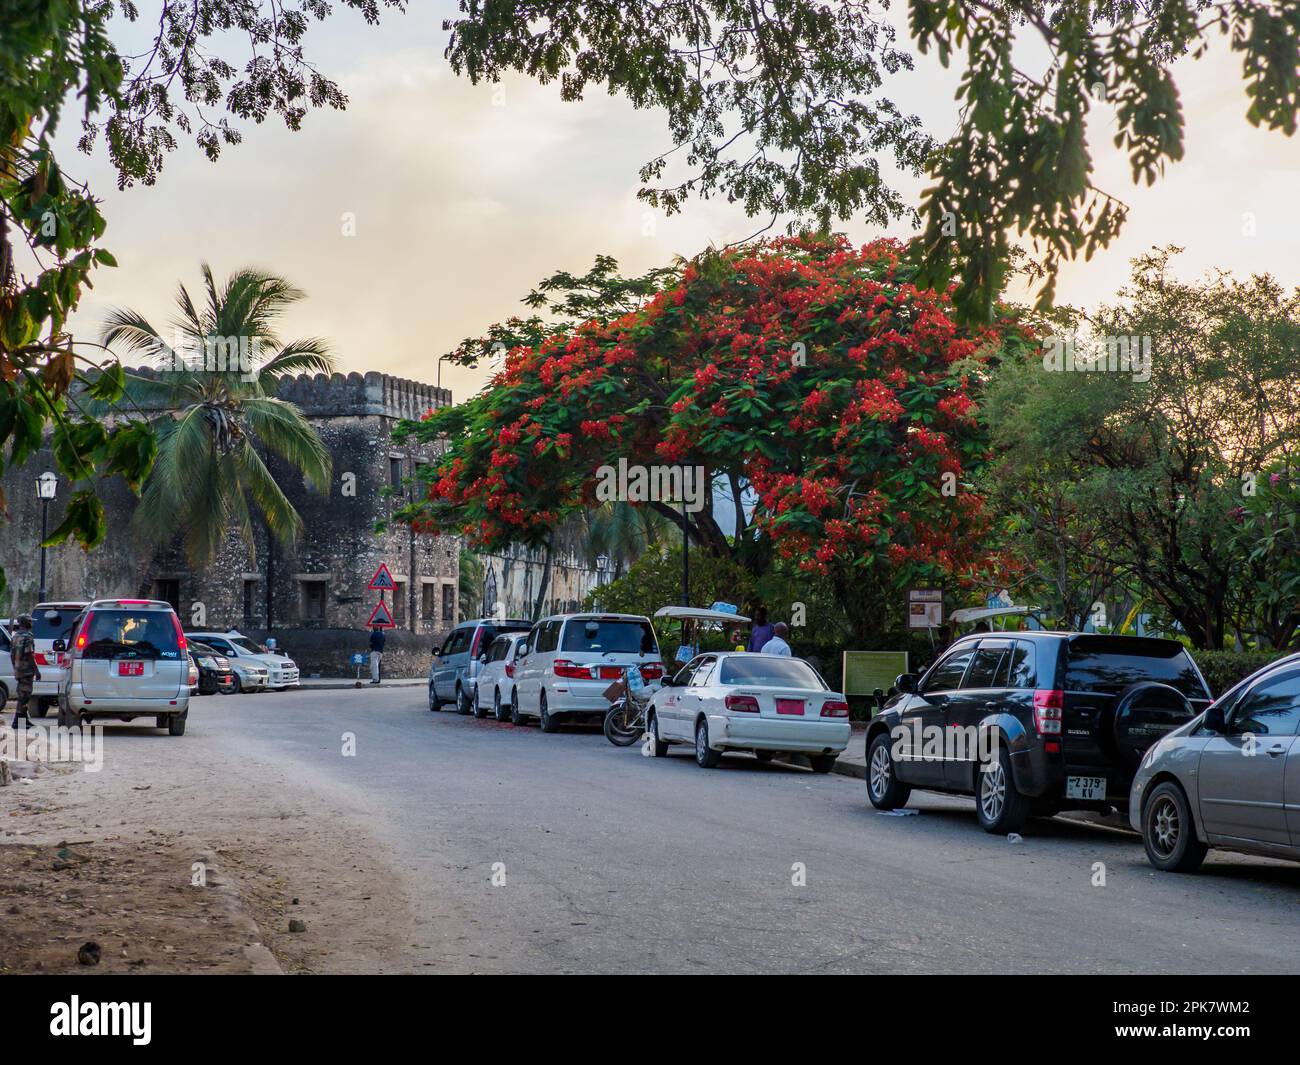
(1110, 664)
(600, 636)
(130, 634)
(491, 632)
(57, 626)
(770, 672)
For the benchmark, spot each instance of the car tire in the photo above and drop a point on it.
(516, 715)
(549, 723)
(998, 804)
(176, 724)
(463, 706)
(499, 711)
(658, 747)
(1168, 832)
(822, 763)
(884, 789)
(705, 756)
(480, 711)
(238, 687)
(67, 719)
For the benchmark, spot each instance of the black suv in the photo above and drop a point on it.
(1031, 723)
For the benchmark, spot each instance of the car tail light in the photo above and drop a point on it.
(564, 668)
(743, 703)
(510, 669)
(84, 631)
(181, 645)
(835, 708)
(652, 671)
(1048, 711)
(473, 647)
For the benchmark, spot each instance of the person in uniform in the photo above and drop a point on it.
(22, 652)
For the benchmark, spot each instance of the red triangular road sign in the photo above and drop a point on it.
(380, 618)
(382, 581)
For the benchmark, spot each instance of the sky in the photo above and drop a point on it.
(463, 197)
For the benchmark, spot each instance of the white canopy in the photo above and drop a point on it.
(982, 613)
(699, 613)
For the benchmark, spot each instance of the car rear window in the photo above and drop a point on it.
(770, 672)
(1109, 664)
(54, 628)
(601, 636)
(129, 634)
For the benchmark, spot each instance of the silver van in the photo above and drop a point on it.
(453, 674)
(52, 622)
(128, 659)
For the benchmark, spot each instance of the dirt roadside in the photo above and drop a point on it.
(179, 856)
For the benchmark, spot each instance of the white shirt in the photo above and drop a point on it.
(776, 646)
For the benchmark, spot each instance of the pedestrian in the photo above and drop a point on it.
(377, 640)
(22, 652)
(777, 645)
(761, 632)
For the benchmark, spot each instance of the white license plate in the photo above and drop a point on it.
(1089, 788)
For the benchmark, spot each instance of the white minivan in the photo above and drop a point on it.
(494, 687)
(567, 662)
(50, 622)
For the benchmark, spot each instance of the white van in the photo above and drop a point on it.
(128, 659)
(567, 662)
(52, 621)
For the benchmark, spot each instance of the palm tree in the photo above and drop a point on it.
(623, 532)
(213, 407)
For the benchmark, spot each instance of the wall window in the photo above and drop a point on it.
(449, 603)
(169, 591)
(399, 603)
(313, 599)
(429, 602)
(250, 599)
(395, 472)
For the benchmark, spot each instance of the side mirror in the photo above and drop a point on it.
(59, 645)
(482, 659)
(1214, 720)
(906, 682)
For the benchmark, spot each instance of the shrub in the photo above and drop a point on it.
(1222, 669)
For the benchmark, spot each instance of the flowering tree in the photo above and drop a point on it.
(806, 374)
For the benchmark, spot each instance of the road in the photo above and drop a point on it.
(614, 862)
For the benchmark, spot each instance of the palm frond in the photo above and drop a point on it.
(280, 427)
(308, 355)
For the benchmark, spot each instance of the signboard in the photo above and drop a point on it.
(380, 618)
(924, 608)
(382, 581)
(865, 671)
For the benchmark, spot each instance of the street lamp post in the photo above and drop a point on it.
(602, 567)
(47, 485)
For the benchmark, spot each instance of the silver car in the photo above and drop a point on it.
(453, 674)
(1228, 778)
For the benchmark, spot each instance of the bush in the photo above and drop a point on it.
(1222, 669)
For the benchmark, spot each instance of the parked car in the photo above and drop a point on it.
(494, 687)
(1227, 779)
(52, 621)
(128, 659)
(1032, 723)
(567, 662)
(737, 701)
(453, 674)
(255, 668)
(215, 672)
(8, 683)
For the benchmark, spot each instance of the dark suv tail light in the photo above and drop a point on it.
(1048, 711)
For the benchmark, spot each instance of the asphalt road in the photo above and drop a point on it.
(614, 862)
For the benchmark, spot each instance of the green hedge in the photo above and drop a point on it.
(1222, 669)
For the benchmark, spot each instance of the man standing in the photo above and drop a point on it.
(377, 640)
(762, 631)
(777, 645)
(22, 652)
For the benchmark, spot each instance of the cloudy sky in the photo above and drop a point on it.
(464, 197)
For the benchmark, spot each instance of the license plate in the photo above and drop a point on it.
(1088, 788)
(611, 672)
(790, 706)
(130, 669)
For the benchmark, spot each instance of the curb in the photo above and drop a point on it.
(260, 959)
(845, 768)
(340, 685)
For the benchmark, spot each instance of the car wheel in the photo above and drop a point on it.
(549, 724)
(67, 719)
(238, 687)
(176, 724)
(435, 703)
(705, 756)
(480, 711)
(1000, 806)
(822, 763)
(500, 712)
(1168, 832)
(516, 717)
(463, 706)
(884, 789)
(658, 747)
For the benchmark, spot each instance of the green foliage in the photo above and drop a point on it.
(1222, 669)
(214, 425)
(783, 107)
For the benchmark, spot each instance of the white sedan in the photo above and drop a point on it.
(737, 701)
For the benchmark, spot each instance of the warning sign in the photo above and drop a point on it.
(380, 618)
(382, 581)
